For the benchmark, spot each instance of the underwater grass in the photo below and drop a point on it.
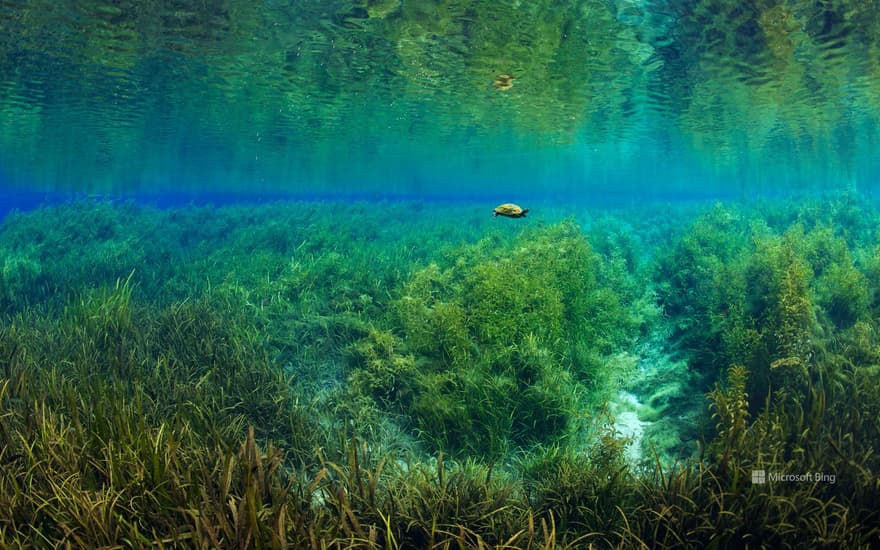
(295, 397)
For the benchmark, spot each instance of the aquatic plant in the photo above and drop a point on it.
(694, 281)
(20, 273)
(762, 303)
(840, 289)
(498, 345)
(584, 490)
(129, 418)
(779, 325)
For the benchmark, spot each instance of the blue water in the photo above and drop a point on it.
(630, 98)
(248, 259)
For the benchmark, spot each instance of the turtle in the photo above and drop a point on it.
(503, 81)
(510, 210)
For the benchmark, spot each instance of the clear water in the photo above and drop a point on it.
(304, 304)
(397, 97)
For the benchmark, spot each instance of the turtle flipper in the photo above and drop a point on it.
(524, 212)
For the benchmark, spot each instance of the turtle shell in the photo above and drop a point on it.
(510, 210)
(503, 81)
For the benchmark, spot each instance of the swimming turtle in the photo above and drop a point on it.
(503, 81)
(510, 210)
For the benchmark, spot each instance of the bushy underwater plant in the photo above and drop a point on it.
(496, 348)
(796, 399)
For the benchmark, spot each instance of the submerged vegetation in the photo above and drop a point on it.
(296, 375)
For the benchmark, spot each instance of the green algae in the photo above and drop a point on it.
(277, 375)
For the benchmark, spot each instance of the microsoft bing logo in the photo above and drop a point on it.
(761, 477)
